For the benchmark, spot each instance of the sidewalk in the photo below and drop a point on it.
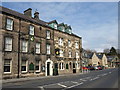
(14, 80)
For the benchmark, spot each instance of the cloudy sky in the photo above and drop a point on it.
(95, 22)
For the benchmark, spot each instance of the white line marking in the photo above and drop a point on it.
(74, 82)
(41, 88)
(83, 80)
(62, 85)
(76, 85)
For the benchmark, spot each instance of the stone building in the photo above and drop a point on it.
(28, 45)
(96, 59)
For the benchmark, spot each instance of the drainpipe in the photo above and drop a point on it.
(18, 76)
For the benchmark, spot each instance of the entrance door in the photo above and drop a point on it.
(56, 69)
(48, 68)
(74, 69)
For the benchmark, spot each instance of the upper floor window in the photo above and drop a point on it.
(70, 54)
(37, 47)
(9, 24)
(77, 55)
(76, 45)
(8, 44)
(60, 41)
(61, 53)
(48, 49)
(48, 34)
(55, 26)
(69, 43)
(24, 46)
(63, 29)
(31, 30)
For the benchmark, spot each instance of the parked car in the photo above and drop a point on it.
(100, 67)
(91, 68)
(96, 68)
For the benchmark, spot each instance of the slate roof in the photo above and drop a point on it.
(90, 55)
(99, 55)
(110, 58)
(20, 15)
(31, 19)
(54, 21)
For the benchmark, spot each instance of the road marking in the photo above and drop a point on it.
(109, 72)
(62, 85)
(83, 80)
(76, 85)
(42, 88)
(94, 78)
(74, 82)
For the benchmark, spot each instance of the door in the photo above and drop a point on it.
(48, 68)
(56, 69)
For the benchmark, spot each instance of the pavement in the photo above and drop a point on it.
(35, 78)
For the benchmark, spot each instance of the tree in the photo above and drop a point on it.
(106, 51)
(113, 51)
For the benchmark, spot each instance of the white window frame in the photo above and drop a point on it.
(8, 44)
(61, 53)
(26, 66)
(77, 55)
(32, 30)
(61, 66)
(10, 66)
(76, 45)
(9, 24)
(48, 48)
(70, 54)
(55, 26)
(60, 41)
(39, 66)
(37, 48)
(48, 34)
(69, 43)
(24, 45)
(63, 28)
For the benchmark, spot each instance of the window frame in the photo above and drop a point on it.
(26, 66)
(48, 49)
(12, 26)
(24, 46)
(33, 32)
(38, 48)
(37, 65)
(48, 36)
(10, 66)
(6, 49)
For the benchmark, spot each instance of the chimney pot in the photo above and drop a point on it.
(28, 12)
(36, 15)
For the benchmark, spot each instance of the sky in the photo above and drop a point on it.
(95, 22)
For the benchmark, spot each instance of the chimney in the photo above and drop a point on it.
(36, 15)
(28, 12)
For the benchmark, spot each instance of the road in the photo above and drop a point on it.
(107, 78)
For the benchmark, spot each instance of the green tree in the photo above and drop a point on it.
(113, 51)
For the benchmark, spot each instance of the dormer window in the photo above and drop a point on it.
(63, 29)
(55, 26)
(31, 30)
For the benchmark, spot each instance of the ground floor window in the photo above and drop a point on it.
(24, 66)
(61, 66)
(37, 65)
(7, 66)
(67, 66)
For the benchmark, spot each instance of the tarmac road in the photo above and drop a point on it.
(107, 78)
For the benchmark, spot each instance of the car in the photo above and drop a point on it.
(100, 67)
(91, 68)
(96, 68)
